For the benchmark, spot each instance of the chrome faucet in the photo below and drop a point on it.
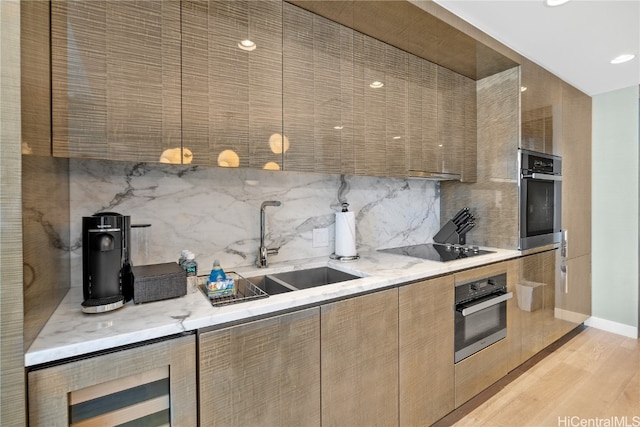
(263, 251)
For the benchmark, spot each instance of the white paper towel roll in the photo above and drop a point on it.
(345, 234)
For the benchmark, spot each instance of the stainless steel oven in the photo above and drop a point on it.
(480, 315)
(540, 194)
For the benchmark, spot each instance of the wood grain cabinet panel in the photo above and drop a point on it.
(576, 170)
(360, 360)
(262, 373)
(573, 296)
(536, 301)
(318, 90)
(116, 79)
(426, 353)
(232, 97)
(442, 121)
(541, 109)
(35, 61)
(150, 385)
(480, 370)
(450, 121)
(423, 115)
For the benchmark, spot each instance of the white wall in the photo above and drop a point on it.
(615, 208)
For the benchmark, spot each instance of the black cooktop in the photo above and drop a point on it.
(438, 251)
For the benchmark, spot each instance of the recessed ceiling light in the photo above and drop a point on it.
(397, 137)
(376, 85)
(622, 58)
(247, 45)
(555, 2)
(339, 127)
(523, 88)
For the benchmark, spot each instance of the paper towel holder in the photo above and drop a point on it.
(343, 258)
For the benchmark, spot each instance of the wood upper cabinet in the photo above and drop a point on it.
(336, 119)
(359, 360)
(153, 384)
(541, 109)
(576, 170)
(116, 79)
(426, 353)
(35, 62)
(442, 122)
(262, 373)
(232, 94)
(317, 91)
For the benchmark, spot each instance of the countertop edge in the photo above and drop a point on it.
(70, 333)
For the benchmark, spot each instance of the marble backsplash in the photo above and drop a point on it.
(215, 212)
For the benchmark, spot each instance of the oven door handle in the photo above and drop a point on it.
(486, 304)
(544, 176)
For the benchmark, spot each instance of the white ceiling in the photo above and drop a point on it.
(574, 41)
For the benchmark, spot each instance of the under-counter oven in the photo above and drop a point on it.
(540, 188)
(480, 315)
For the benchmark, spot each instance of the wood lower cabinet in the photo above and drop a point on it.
(360, 360)
(152, 385)
(536, 300)
(426, 351)
(480, 370)
(262, 373)
(573, 296)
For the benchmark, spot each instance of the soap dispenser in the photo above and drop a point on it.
(217, 274)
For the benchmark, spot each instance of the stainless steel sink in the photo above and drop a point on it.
(300, 279)
(269, 285)
(310, 278)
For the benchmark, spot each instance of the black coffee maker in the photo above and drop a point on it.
(106, 267)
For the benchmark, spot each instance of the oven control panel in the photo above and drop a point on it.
(481, 287)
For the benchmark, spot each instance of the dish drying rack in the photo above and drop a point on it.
(244, 290)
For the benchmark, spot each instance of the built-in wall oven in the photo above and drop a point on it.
(480, 315)
(540, 194)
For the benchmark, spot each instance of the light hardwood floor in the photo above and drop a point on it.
(593, 379)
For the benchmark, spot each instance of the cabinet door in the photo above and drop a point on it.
(426, 351)
(535, 297)
(450, 121)
(541, 109)
(35, 62)
(360, 360)
(576, 171)
(263, 373)
(116, 79)
(318, 90)
(442, 121)
(150, 385)
(232, 94)
(480, 370)
(573, 294)
(424, 153)
(380, 134)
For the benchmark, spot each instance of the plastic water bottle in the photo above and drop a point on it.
(191, 267)
(183, 258)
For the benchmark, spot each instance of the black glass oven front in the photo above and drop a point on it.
(540, 188)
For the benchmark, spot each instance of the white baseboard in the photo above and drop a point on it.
(613, 327)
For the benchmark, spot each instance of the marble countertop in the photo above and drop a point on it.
(70, 332)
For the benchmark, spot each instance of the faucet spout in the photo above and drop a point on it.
(263, 251)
